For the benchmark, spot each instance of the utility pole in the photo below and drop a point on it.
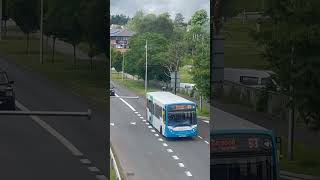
(41, 33)
(1, 19)
(110, 62)
(291, 115)
(175, 82)
(146, 74)
(122, 65)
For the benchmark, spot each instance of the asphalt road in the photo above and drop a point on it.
(51, 147)
(143, 155)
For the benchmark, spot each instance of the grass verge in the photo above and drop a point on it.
(90, 84)
(306, 159)
(241, 50)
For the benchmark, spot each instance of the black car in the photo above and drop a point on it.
(7, 96)
(112, 91)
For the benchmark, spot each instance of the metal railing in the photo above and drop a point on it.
(87, 114)
(114, 165)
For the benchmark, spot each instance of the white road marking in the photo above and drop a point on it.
(126, 103)
(175, 157)
(53, 132)
(147, 123)
(141, 117)
(169, 150)
(156, 135)
(149, 127)
(200, 137)
(206, 122)
(181, 165)
(144, 120)
(112, 124)
(136, 112)
(188, 173)
(206, 142)
(160, 139)
(101, 177)
(93, 169)
(164, 144)
(133, 123)
(152, 130)
(85, 161)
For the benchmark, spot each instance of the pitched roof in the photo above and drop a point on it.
(121, 32)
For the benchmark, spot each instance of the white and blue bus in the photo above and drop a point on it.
(241, 150)
(172, 115)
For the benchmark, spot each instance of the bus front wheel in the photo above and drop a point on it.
(161, 130)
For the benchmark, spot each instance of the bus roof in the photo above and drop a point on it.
(228, 123)
(168, 98)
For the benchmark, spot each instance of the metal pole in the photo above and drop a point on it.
(291, 117)
(175, 82)
(1, 19)
(41, 33)
(146, 73)
(110, 62)
(48, 113)
(122, 65)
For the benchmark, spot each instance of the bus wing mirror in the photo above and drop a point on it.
(279, 143)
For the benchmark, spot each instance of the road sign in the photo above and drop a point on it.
(174, 80)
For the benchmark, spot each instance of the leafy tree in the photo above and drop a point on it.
(119, 19)
(116, 59)
(291, 42)
(25, 16)
(179, 20)
(135, 57)
(71, 31)
(161, 24)
(92, 18)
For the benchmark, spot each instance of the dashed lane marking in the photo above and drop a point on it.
(181, 165)
(169, 150)
(175, 157)
(188, 173)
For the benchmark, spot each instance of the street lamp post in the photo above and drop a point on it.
(1, 19)
(41, 33)
(146, 73)
(122, 65)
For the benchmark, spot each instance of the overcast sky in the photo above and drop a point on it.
(185, 7)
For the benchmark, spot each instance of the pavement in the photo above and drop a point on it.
(51, 147)
(144, 154)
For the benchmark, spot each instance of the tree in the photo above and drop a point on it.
(116, 59)
(179, 20)
(161, 24)
(52, 22)
(25, 16)
(135, 57)
(92, 18)
(291, 42)
(119, 19)
(71, 29)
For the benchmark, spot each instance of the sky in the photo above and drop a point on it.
(185, 7)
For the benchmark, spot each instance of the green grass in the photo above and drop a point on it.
(306, 159)
(204, 112)
(185, 75)
(81, 80)
(112, 174)
(134, 85)
(241, 50)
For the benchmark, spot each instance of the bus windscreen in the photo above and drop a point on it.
(181, 115)
(241, 157)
